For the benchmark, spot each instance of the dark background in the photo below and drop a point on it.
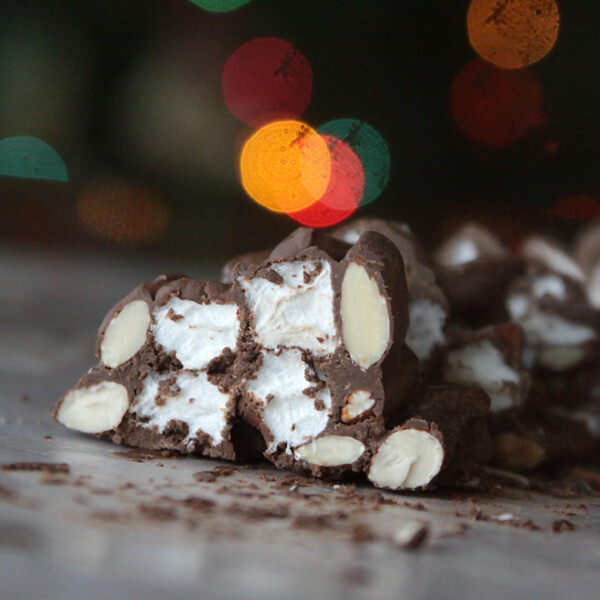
(129, 90)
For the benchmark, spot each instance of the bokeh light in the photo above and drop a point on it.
(285, 166)
(220, 6)
(371, 149)
(513, 33)
(576, 207)
(267, 79)
(495, 107)
(122, 212)
(30, 158)
(344, 192)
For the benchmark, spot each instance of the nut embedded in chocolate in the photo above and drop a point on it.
(447, 440)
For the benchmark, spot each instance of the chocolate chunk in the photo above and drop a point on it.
(446, 441)
(474, 268)
(492, 359)
(561, 329)
(342, 330)
(427, 304)
(241, 262)
(529, 441)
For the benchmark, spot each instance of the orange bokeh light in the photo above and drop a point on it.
(285, 166)
(513, 34)
(122, 212)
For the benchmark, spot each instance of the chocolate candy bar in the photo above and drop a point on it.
(332, 367)
(447, 440)
(474, 268)
(427, 304)
(490, 358)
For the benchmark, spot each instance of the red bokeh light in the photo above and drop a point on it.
(495, 107)
(344, 192)
(267, 79)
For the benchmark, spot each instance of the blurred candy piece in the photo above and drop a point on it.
(513, 34)
(267, 79)
(495, 107)
(371, 149)
(344, 192)
(30, 158)
(285, 166)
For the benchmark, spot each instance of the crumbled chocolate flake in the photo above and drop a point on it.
(171, 314)
(361, 533)
(561, 525)
(196, 503)
(36, 466)
(205, 476)
(223, 471)
(157, 513)
(312, 521)
(168, 387)
(319, 404)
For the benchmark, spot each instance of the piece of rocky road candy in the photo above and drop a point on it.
(474, 267)
(125, 331)
(180, 393)
(560, 327)
(492, 359)
(180, 410)
(427, 304)
(540, 439)
(447, 441)
(332, 368)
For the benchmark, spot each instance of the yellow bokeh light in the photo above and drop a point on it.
(285, 166)
(512, 34)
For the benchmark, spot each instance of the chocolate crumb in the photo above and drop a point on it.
(561, 525)
(171, 314)
(157, 513)
(204, 476)
(36, 466)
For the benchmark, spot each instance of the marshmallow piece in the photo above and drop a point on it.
(196, 333)
(292, 305)
(187, 397)
(93, 409)
(292, 403)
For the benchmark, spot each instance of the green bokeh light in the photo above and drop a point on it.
(219, 6)
(30, 158)
(371, 149)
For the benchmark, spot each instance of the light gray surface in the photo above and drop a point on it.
(90, 533)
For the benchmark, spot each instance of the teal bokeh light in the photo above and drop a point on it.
(220, 6)
(30, 158)
(371, 149)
